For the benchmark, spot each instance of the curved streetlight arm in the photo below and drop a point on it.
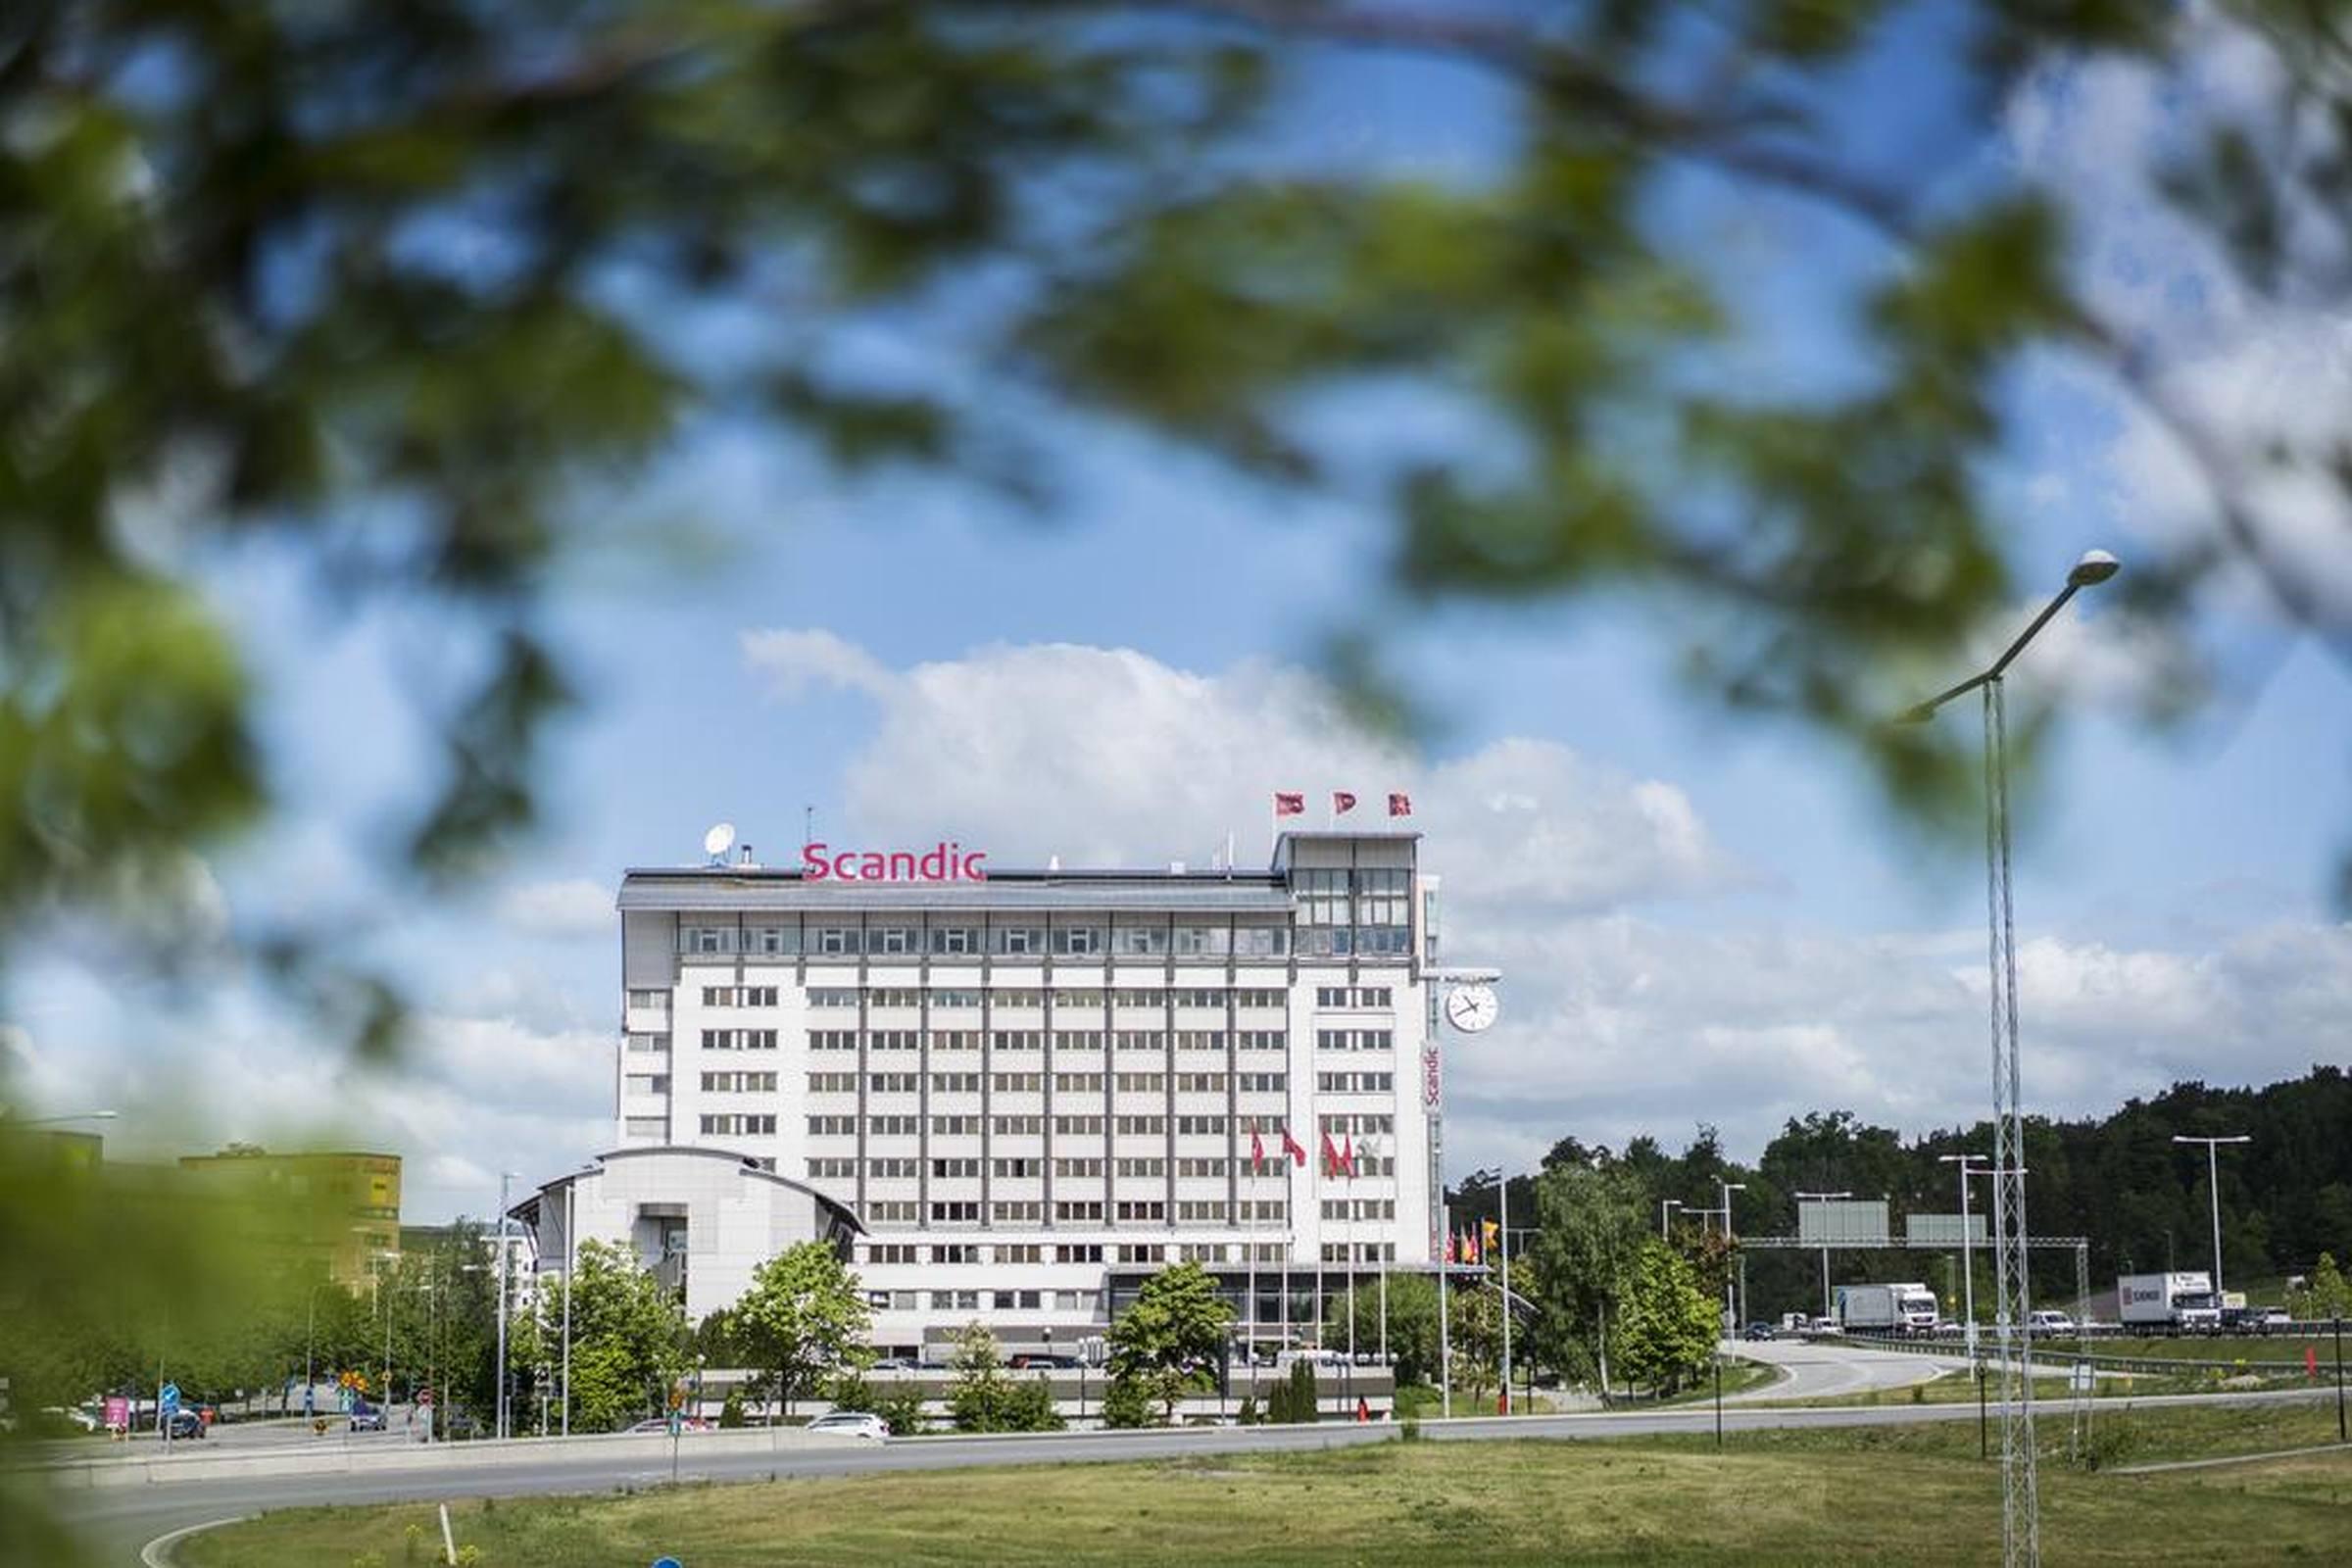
(2095, 566)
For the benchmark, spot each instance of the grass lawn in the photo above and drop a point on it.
(1916, 1494)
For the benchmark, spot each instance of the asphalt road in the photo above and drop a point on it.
(1817, 1370)
(118, 1521)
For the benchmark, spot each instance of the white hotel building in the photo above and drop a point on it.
(1036, 1089)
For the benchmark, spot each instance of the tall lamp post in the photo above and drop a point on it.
(504, 1177)
(2021, 1503)
(1823, 1197)
(1734, 1312)
(1665, 1204)
(2213, 1189)
(1969, 1167)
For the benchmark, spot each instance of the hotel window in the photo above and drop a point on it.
(1322, 894)
(1080, 997)
(1077, 941)
(706, 940)
(1198, 999)
(832, 1040)
(819, 1083)
(955, 1126)
(1262, 941)
(953, 1300)
(1140, 1168)
(1199, 1040)
(832, 997)
(1138, 997)
(891, 1252)
(1201, 1083)
(649, 1043)
(732, 1125)
(832, 1169)
(1202, 942)
(1383, 896)
(1017, 1039)
(890, 1212)
(956, 1211)
(1079, 1253)
(894, 1039)
(648, 998)
(1212, 1165)
(835, 941)
(1142, 1126)
(1265, 1209)
(953, 941)
(1078, 1039)
(1262, 1083)
(1261, 999)
(1141, 1040)
(1016, 941)
(955, 999)
(955, 1083)
(892, 941)
(893, 1083)
(1020, 1212)
(894, 1170)
(1017, 1126)
(773, 940)
(1077, 1083)
(1078, 1213)
(951, 1170)
(893, 997)
(1078, 1167)
(1021, 1252)
(1199, 1212)
(1263, 1039)
(1011, 997)
(1142, 1211)
(832, 1126)
(646, 1127)
(1016, 1168)
(1199, 1125)
(1141, 1083)
(1017, 1083)
(892, 1126)
(1077, 1125)
(954, 1252)
(1140, 941)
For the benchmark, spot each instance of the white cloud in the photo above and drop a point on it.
(795, 662)
(576, 906)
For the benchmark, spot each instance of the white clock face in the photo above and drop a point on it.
(1470, 1008)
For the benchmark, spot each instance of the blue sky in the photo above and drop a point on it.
(1701, 922)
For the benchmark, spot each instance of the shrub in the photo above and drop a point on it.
(1129, 1402)
(730, 1414)
(1247, 1415)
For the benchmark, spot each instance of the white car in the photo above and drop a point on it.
(852, 1423)
(2047, 1322)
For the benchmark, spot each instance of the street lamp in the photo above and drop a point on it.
(2021, 1503)
(1737, 1313)
(2213, 1189)
(1968, 1266)
(52, 1121)
(1665, 1203)
(504, 1178)
(1827, 1309)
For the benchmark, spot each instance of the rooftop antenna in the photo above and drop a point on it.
(807, 824)
(718, 841)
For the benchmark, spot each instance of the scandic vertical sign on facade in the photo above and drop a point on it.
(942, 863)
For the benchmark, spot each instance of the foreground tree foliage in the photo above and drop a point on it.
(629, 1341)
(1171, 1340)
(803, 1319)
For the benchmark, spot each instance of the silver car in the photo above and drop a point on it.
(852, 1423)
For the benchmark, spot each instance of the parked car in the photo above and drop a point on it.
(365, 1417)
(660, 1422)
(894, 1363)
(187, 1423)
(1762, 1331)
(852, 1423)
(2273, 1320)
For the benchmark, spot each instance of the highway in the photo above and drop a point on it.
(118, 1521)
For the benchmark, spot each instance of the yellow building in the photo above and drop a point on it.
(336, 1213)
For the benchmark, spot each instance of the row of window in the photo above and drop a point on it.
(1076, 941)
(1355, 1039)
(984, 1301)
(887, 998)
(739, 1040)
(1155, 1041)
(1355, 1083)
(734, 1124)
(963, 1126)
(738, 1083)
(739, 996)
(1352, 996)
(1359, 1208)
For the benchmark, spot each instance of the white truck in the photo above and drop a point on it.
(1886, 1309)
(2177, 1304)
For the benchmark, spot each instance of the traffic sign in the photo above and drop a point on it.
(668, 1562)
(168, 1398)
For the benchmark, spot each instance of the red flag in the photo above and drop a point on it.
(1257, 1152)
(1400, 804)
(1331, 1156)
(1288, 803)
(1342, 803)
(1293, 1148)
(1347, 1154)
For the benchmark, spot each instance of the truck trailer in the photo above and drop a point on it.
(1886, 1309)
(2168, 1304)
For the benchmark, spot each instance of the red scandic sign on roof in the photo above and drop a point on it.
(942, 863)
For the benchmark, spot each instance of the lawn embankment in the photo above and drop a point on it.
(1914, 1494)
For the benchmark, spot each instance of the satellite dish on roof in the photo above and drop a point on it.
(718, 840)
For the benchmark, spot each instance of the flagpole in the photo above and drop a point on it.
(1383, 1289)
(1445, 1315)
(1504, 1235)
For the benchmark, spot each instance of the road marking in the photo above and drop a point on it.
(157, 1554)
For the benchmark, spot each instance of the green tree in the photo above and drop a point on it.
(1129, 1402)
(1304, 1401)
(983, 1398)
(1412, 1323)
(1591, 1221)
(1669, 1324)
(2327, 1295)
(629, 1343)
(1170, 1340)
(802, 1316)
(1477, 1323)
